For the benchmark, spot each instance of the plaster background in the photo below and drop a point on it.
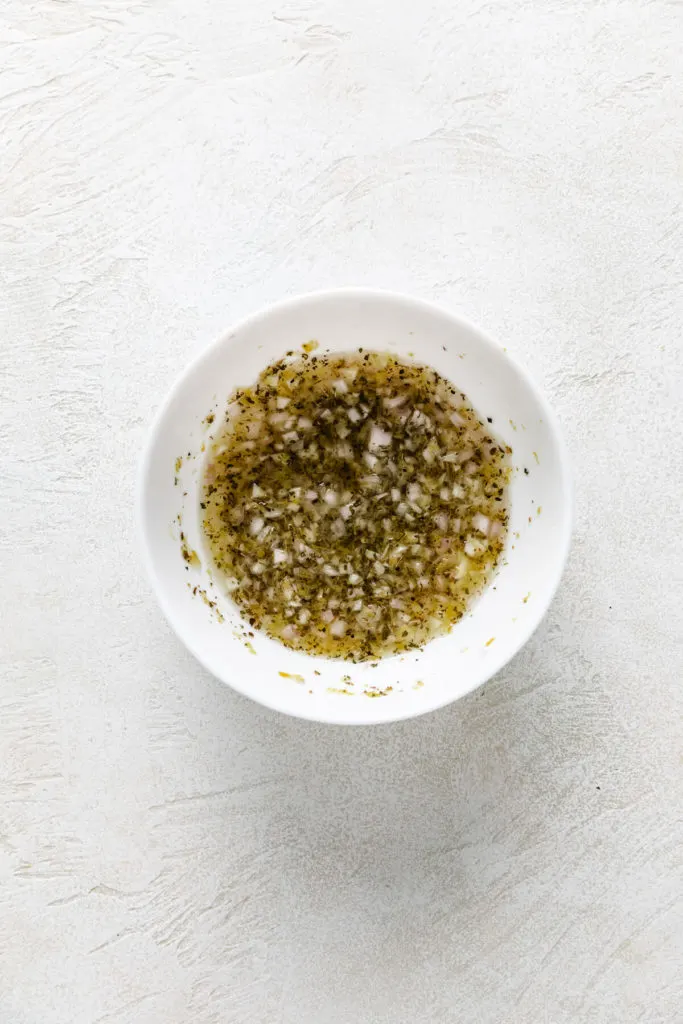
(169, 852)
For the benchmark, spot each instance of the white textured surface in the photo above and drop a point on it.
(170, 853)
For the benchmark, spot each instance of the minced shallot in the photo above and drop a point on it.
(354, 505)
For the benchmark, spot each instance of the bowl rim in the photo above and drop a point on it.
(253, 319)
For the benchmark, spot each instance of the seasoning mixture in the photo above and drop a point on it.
(354, 504)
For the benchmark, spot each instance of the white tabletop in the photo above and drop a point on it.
(170, 853)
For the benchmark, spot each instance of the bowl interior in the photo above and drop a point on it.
(324, 689)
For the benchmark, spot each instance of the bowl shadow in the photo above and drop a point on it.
(347, 839)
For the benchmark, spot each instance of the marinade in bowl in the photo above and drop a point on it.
(354, 504)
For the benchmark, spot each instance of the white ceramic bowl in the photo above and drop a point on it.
(499, 623)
